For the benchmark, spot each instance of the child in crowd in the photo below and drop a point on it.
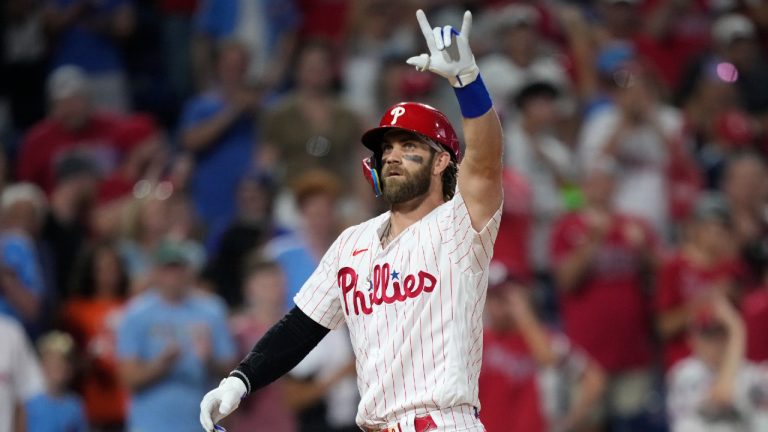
(716, 389)
(57, 409)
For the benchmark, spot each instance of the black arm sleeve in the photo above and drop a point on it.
(280, 350)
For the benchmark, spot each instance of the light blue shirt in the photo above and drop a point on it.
(149, 325)
(55, 414)
(18, 254)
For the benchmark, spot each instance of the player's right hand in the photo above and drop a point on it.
(220, 402)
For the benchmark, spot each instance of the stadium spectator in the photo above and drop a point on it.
(172, 343)
(264, 294)
(99, 290)
(710, 124)
(73, 125)
(66, 222)
(20, 376)
(145, 158)
(545, 162)
(218, 128)
(745, 186)
(638, 131)
(88, 34)
(378, 43)
(146, 223)
(515, 224)
(22, 284)
(522, 57)
(601, 258)
(266, 29)
(528, 371)
(251, 228)
(705, 265)
(317, 197)
(330, 131)
(716, 389)
(56, 409)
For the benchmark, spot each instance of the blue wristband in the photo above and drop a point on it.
(474, 99)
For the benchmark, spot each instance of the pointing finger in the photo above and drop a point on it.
(466, 25)
(426, 29)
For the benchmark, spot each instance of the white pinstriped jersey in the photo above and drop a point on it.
(414, 312)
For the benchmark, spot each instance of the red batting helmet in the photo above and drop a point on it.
(413, 117)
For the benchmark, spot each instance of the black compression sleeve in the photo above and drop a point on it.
(279, 350)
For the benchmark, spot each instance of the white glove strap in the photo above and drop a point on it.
(233, 384)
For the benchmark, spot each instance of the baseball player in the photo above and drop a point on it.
(410, 283)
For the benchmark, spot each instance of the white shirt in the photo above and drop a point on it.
(690, 381)
(414, 312)
(641, 189)
(20, 375)
(548, 204)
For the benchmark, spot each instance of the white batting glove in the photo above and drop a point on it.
(449, 53)
(220, 402)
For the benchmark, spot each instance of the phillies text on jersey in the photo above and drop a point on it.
(414, 312)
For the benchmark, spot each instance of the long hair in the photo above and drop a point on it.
(83, 284)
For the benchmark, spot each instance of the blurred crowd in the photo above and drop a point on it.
(173, 170)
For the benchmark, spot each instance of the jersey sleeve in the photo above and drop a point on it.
(469, 249)
(318, 298)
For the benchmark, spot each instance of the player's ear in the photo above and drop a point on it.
(440, 163)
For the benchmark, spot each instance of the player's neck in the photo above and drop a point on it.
(403, 215)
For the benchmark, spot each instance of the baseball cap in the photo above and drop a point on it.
(712, 207)
(66, 81)
(731, 27)
(171, 253)
(613, 56)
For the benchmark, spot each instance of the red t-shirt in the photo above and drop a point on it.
(48, 141)
(608, 314)
(754, 308)
(511, 247)
(681, 281)
(509, 393)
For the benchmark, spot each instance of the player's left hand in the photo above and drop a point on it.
(449, 53)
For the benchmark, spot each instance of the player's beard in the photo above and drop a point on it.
(408, 185)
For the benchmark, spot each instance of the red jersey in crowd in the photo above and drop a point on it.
(511, 394)
(681, 282)
(48, 141)
(511, 247)
(607, 314)
(754, 308)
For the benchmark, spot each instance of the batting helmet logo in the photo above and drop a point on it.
(396, 112)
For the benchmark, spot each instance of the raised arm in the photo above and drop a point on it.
(480, 173)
